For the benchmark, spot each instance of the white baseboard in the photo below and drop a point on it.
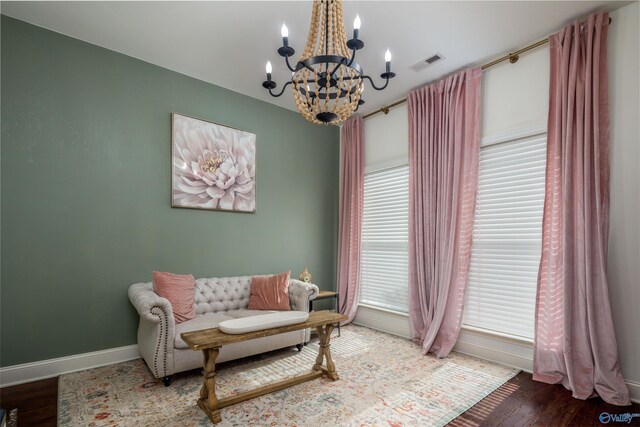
(634, 391)
(383, 320)
(514, 354)
(27, 372)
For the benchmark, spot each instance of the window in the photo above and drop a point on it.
(385, 239)
(507, 236)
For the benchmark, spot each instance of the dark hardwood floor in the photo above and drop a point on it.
(519, 402)
(37, 402)
(524, 402)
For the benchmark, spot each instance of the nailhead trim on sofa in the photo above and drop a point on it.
(163, 337)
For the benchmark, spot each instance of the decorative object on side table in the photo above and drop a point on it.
(305, 276)
(214, 166)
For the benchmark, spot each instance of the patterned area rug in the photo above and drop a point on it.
(384, 381)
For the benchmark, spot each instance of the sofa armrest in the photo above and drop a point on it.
(300, 293)
(156, 330)
(146, 302)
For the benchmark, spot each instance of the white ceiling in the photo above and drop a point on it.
(228, 43)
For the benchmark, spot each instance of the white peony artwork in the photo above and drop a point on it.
(214, 166)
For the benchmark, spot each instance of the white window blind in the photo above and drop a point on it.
(507, 236)
(385, 243)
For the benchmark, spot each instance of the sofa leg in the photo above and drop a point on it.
(166, 380)
(299, 347)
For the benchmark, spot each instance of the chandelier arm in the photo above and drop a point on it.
(322, 59)
(286, 58)
(353, 57)
(335, 69)
(307, 81)
(374, 85)
(281, 92)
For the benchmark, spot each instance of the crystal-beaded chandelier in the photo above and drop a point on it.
(327, 83)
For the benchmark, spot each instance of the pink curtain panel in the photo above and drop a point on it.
(575, 342)
(350, 215)
(444, 148)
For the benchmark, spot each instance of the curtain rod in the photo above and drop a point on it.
(512, 57)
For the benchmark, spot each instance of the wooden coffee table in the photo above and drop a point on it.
(211, 340)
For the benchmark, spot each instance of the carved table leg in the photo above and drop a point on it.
(320, 357)
(331, 367)
(208, 401)
(324, 335)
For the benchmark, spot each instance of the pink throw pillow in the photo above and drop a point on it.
(270, 292)
(179, 289)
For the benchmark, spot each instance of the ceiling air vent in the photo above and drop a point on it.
(421, 65)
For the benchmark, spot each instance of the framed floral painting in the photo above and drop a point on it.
(214, 166)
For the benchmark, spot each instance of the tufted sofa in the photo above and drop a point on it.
(216, 300)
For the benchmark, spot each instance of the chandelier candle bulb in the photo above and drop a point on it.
(356, 27)
(269, 84)
(387, 59)
(285, 35)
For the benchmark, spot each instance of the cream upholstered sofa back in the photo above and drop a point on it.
(220, 294)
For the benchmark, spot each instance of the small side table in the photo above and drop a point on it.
(325, 295)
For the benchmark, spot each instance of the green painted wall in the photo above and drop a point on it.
(86, 192)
